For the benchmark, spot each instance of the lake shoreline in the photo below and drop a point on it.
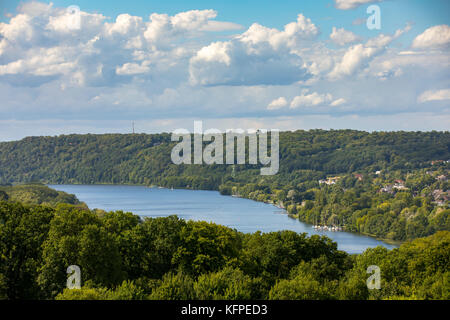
(386, 241)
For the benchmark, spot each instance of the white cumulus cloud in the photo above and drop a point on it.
(279, 103)
(311, 99)
(132, 68)
(162, 28)
(338, 102)
(352, 4)
(434, 95)
(260, 55)
(434, 37)
(315, 99)
(292, 35)
(358, 56)
(343, 37)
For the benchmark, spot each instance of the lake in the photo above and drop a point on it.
(241, 214)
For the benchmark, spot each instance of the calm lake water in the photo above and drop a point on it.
(241, 214)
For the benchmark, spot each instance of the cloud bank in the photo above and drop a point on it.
(162, 66)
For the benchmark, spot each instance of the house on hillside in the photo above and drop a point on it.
(440, 197)
(387, 189)
(329, 181)
(399, 185)
(391, 188)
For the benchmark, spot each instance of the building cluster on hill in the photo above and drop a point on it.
(440, 197)
(330, 180)
(391, 188)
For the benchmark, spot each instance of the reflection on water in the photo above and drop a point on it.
(241, 214)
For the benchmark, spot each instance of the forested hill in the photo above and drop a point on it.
(34, 194)
(390, 185)
(145, 159)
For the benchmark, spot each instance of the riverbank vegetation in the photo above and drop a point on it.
(391, 185)
(122, 256)
(36, 193)
(391, 205)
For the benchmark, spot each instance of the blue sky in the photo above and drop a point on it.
(289, 65)
(268, 12)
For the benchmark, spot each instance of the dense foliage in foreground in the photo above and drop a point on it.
(306, 157)
(124, 257)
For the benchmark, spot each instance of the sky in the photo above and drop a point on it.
(98, 66)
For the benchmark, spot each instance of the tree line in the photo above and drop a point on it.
(122, 256)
